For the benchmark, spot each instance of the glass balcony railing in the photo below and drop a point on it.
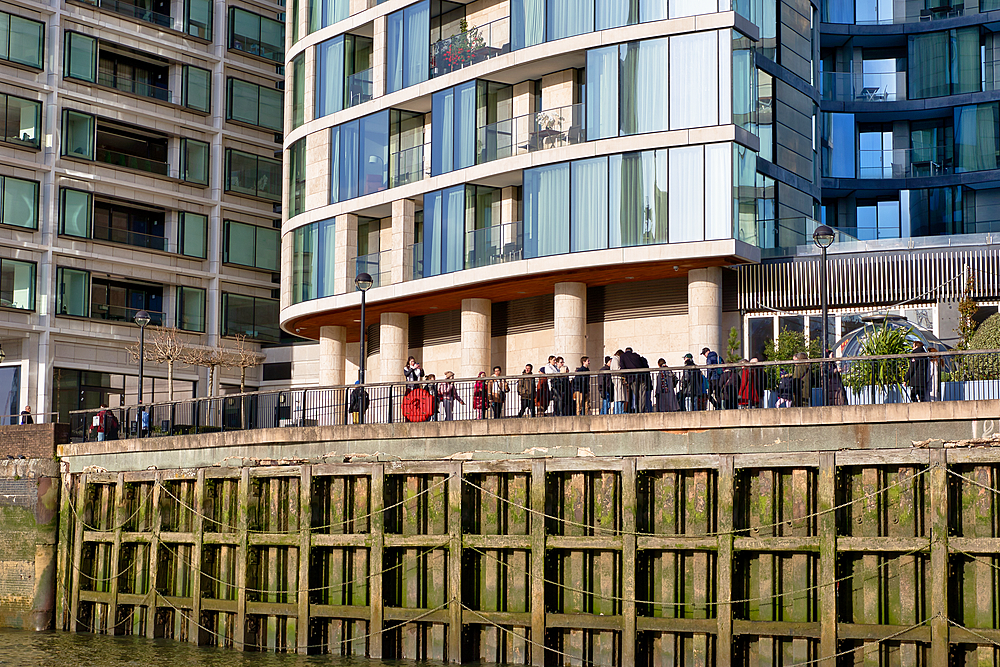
(407, 166)
(776, 236)
(358, 88)
(132, 162)
(136, 12)
(128, 237)
(417, 269)
(494, 245)
(127, 85)
(904, 162)
(104, 311)
(553, 128)
(377, 265)
(864, 87)
(475, 45)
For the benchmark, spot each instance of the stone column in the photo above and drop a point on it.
(402, 240)
(476, 336)
(379, 45)
(705, 309)
(346, 253)
(332, 355)
(393, 334)
(569, 338)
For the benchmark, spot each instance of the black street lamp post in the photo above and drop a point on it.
(142, 319)
(364, 283)
(823, 237)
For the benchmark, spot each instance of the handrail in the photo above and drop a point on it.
(878, 379)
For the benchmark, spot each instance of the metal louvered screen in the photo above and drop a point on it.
(882, 279)
(435, 329)
(534, 313)
(626, 301)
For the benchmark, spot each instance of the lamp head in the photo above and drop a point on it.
(823, 236)
(363, 282)
(142, 319)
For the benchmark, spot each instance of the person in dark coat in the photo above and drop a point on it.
(358, 404)
(916, 374)
(581, 387)
(26, 415)
(692, 384)
(604, 387)
(631, 361)
(714, 377)
(730, 391)
(666, 389)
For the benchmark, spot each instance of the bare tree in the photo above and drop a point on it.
(163, 345)
(243, 356)
(211, 358)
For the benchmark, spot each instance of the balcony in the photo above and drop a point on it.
(494, 245)
(128, 85)
(904, 162)
(475, 45)
(134, 11)
(119, 159)
(407, 166)
(377, 265)
(105, 311)
(563, 126)
(128, 237)
(864, 87)
(358, 88)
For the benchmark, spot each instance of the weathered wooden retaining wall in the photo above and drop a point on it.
(868, 557)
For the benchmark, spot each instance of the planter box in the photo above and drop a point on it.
(973, 390)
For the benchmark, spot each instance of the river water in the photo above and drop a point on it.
(20, 648)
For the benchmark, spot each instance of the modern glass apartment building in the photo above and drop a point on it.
(138, 171)
(534, 177)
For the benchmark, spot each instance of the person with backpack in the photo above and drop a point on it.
(714, 377)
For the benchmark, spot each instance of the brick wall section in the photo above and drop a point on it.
(33, 441)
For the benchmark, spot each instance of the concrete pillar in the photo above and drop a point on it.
(569, 337)
(393, 335)
(704, 309)
(476, 336)
(346, 253)
(379, 44)
(317, 157)
(558, 89)
(332, 356)
(401, 252)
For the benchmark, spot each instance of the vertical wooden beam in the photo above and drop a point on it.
(154, 555)
(376, 559)
(538, 562)
(118, 520)
(939, 556)
(198, 530)
(67, 524)
(827, 529)
(724, 561)
(305, 545)
(455, 564)
(242, 555)
(74, 592)
(630, 509)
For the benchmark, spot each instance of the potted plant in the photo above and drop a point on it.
(880, 380)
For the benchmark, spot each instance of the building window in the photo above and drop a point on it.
(198, 18)
(944, 63)
(81, 57)
(21, 40)
(77, 211)
(17, 284)
(72, 292)
(193, 240)
(253, 317)
(196, 91)
(360, 155)
(343, 73)
(18, 202)
(453, 128)
(249, 174)
(116, 222)
(195, 161)
(119, 301)
(251, 245)
(408, 48)
(191, 309)
(254, 105)
(313, 272)
(78, 131)
(21, 121)
(298, 81)
(323, 13)
(146, 77)
(256, 35)
(132, 148)
(297, 178)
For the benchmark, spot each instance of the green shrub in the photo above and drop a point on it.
(882, 373)
(981, 366)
